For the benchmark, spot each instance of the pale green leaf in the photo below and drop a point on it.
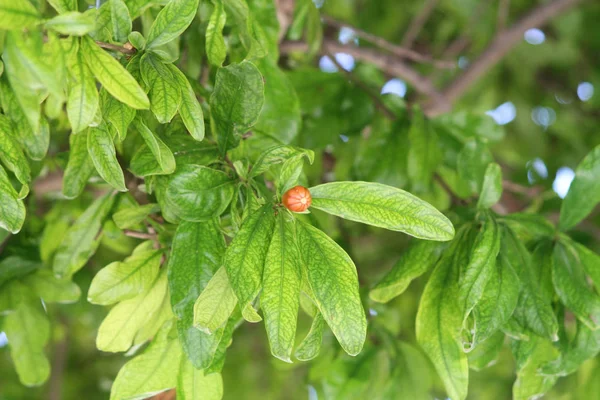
(152, 372)
(472, 163)
(171, 21)
(189, 109)
(18, 15)
(73, 23)
(198, 193)
(424, 155)
(115, 79)
(119, 328)
(121, 20)
(491, 190)
(83, 100)
(52, 289)
(530, 384)
(218, 361)
(79, 167)
(216, 50)
(215, 304)
(13, 294)
(137, 40)
(81, 240)
(383, 206)
(12, 210)
(128, 217)
(122, 280)
(28, 331)
(418, 259)
(12, 156)
(63, 6)
(195, 384)
(245, 257)
(486, 353)
(162, 153)
(290, 173)
(334, 282)
(310, 346)
(165, 92)
(585, 345)
(101, 148)
(118, 114)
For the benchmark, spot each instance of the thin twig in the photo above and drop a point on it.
(376, 98)
(126, 49)
(417, 23)
(501, 45)
(139, 235)
(401, 52)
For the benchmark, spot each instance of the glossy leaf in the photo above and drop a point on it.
(383, 206)
(103, 155)
(171, 21)
(163, 155)
(83, 100)
(197, 193)
(113, 77)
(334, 282)
(79, 167)
(189, 109)
(165, 92)
(491, 190)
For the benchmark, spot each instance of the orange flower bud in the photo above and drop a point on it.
(297, 199)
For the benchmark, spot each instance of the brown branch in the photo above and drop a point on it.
(388, 63)
(501, 45)
(417, 23)
(126, 49)
(139, 235)
(400, 52)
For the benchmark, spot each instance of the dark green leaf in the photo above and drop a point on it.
(162, 153)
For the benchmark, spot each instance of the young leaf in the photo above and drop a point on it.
(383, 206)
(83, 100)
(475, 276)
(28, 330)
(79, 167)
(572, 288)
(216, 50)
(439, 322)
(197, 193)
(121, 20)
(73, 23)
(491, 190)
(12, 210)
(418, 259)
(334, 282)
(152, 372)
(584, 192)
(281, 288)
(119, 328)
(51, 289)
(18, 15)
(196, 384)
(113, 77)
(126, 279)
(12, 156)
(236, 102)
(189, 109)
(81, 241)
(159, 149)
(171, 21)
(290, 173)
(103, 154)
(277, 155)
(310, 346)
(215, 304)
(128, 217)
(165, 92)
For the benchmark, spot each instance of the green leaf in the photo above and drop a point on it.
(51, 289)
(118, 330)
(137, 40)
(128, 217)
(152, 372)
(115, 79)
(18, 15)
(281, 288)
(63, 6)
(530, 383)
(236, 102)
(12, 210)
(162, 153)
(218, 361)
(195, 384)
(12, 156)
(189, 109)
(584, 192)
(383, 206)
(334, 282)
(572, 288)
(477, 273)
(122, 280)
(290, 173)
(216, 50)
(310, 346)
(121, 20)
(28, 331)
(118, 114)
(73, 23)
(246, 255)
(491, 190)
(486, 353)
(439, 322)
(418, 259)
(197, 193)
(472, 163)
(585, 345)
(590, 261)
(81, 240)
(424, 154)
(277, 155)
(171, 21)
(83, 100)
(14, 267)
(215, 304)
(13, 294)
(165, 92)
(104, 157)
(79, 167)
